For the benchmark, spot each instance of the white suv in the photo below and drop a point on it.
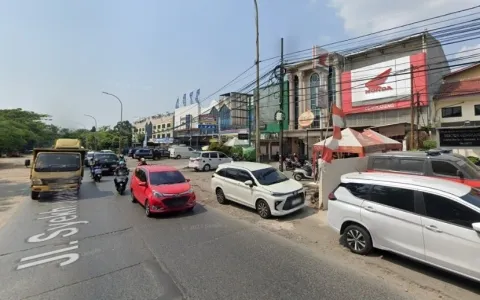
(207, 160)
(258, 186)
(431, 220)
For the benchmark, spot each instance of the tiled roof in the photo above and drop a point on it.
(459, 88)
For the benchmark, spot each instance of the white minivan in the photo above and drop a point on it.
(208, 160)
(431, 220)
(181, 152)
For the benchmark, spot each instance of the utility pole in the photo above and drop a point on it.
(257, 90)
(412, 111)
(249, 111)
(418, 119)
(281, 105)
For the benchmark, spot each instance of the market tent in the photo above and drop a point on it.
(390, 144)
(352, 142)
(236, 142)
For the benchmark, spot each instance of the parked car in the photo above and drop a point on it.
(207, 160)
(431, 220)
(107, 151)
(131, 152)
(161, 189)
(433, 163)
(147, 154)
(108, 161)
(178, 152)
(160, 153)
(258, 186)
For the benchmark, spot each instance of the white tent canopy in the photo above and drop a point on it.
(236, 142)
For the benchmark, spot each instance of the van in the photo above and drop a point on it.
(430, 220)
(437, 163)
(178, 152)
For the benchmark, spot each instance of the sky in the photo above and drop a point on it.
(57, 56)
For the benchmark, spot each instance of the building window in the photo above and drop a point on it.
(477, 109)
(168, 135)
(314, 89)
(452, 112)
(163, 125)
(163, 136)
(168, 125)
(295, 101)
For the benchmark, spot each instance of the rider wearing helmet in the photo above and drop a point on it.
(94, 164)
(121, 158)
(121, 170)
(142, 162)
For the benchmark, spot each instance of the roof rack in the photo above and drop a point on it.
(441, 150)
(433, 152)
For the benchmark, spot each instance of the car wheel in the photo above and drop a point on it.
(298, 177)
(178, 157)
(133, 197)
(147, 209)
(221, 196)
(35, 195)
(263, 209)
(206, 168)
(358, 239)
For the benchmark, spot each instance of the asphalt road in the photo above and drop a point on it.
(111, 250)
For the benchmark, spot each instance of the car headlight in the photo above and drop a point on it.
(157, 194)
(37, 182)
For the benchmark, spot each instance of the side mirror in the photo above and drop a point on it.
(476, 227)
(142, 184)
(27, 163)
(188, 179)
(249, 183)
(460, 175)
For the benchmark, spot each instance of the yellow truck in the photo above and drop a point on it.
(57, 169)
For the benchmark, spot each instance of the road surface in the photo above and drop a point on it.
(111, 250)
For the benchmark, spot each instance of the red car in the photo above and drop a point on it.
(161, 189)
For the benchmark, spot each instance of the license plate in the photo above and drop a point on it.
(296, 201)
(105, 169)
(114, 166)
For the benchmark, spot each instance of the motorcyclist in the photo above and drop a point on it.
(96, 163)
(121, 158)
(142, 162)
(121, 170)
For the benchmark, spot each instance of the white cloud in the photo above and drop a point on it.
(467, 54)
(366, 16)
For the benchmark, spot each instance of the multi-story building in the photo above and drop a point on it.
(155, 127)
(456, 118)
(309, 90)
(380, 84)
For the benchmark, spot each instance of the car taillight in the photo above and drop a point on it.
(331, 196)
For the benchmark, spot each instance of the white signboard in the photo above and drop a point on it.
(383, 82)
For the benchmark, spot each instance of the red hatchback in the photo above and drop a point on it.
(161, 189)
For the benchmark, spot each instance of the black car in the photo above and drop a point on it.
(108, 161)
(131, 152)
(150, 154)
(160, 153)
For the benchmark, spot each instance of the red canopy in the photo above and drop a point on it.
(352, 142)
(390, 144)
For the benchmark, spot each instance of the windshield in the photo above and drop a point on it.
(269, 176)
(106, 156)
(472, 172)
(473, 197)
(57, 162)
(168, 177)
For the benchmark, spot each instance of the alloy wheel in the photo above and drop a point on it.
(355, 240)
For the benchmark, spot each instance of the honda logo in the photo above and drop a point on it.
(375, 85)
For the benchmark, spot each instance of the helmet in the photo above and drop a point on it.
(142, 159)
(121, 155)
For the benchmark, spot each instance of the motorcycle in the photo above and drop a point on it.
(305, 172)
(97, 174)
(289, 166)
(121, 181)
(121, 184)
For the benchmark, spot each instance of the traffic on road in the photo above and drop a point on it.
(159, 238)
